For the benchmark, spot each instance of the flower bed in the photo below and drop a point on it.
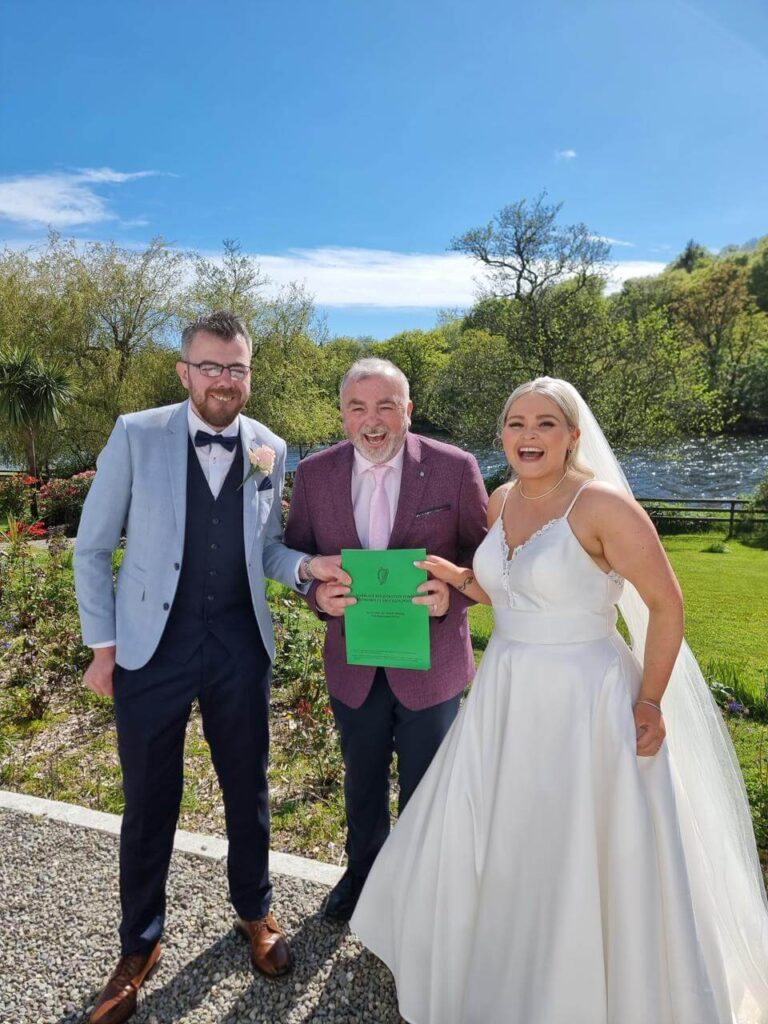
(60, 502)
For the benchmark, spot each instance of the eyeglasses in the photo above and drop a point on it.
(237, 371)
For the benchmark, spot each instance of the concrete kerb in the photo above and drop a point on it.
(185, 842)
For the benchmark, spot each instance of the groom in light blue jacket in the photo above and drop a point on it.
(196, 487)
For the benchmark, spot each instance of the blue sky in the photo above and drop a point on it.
(346, 142)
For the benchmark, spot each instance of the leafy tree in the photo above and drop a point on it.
(526, 251)
(420, 355)
(650, 390)
(724, 327)
(640, 296)
(288, 394)
(529, 258)
(134, 298)
(758, 275)
(470, 390)
(336, 357)
(693, 257)
(234, 282)
(33, 394)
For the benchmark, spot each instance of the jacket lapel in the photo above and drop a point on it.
(176, 446)
(412, 485)
(250, 439)
(340, 484)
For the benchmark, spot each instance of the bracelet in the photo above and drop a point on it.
(305, 569)
(468, 580)
(653, 703)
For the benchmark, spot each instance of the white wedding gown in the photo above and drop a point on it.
(539, 873)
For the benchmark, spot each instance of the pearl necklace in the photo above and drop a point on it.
(535, 497)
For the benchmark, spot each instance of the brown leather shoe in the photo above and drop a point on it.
(269, 950)
(117, 1001)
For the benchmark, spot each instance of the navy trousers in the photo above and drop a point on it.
(370, 735)
(152, 708)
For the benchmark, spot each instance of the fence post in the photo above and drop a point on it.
(730, 522)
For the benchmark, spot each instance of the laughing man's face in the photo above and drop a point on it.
(376, 416)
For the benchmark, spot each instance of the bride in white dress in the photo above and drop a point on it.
(561, 863)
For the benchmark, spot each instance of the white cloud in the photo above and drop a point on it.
(62, 199)
(390, 280)
(375, 277)
(612, 241)
(626, 269)
(565, 154)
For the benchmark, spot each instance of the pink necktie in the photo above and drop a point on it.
(378, 514)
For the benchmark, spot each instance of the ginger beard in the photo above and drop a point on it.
(216, 400)
(217, 404)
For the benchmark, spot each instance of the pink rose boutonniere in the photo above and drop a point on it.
(262, 460)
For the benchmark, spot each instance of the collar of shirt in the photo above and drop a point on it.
(194, 424)
(361, 464)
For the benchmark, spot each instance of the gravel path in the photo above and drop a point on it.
(58, 941)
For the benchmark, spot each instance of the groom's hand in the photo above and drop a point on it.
(327, 568)
(333, 598)
(98, 675)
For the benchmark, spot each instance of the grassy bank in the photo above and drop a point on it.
(57, 740)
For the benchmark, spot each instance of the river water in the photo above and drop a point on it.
(719, 467)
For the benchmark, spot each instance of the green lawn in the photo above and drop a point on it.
(726, 599)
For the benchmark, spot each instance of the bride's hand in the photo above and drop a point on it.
(441, 569)
(649, 723)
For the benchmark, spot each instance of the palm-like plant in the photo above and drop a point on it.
(33, 393)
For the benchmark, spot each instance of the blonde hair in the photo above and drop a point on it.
(562, 394)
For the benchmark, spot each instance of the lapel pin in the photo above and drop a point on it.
(421, 473)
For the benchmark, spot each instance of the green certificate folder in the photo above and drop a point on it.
(385, 628)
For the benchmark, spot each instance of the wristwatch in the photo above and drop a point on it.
(305, 569)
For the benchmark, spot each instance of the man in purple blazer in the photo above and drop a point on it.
(386, 487)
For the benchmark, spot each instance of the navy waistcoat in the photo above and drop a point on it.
(213, 594)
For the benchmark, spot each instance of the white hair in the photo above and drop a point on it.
(372, 366)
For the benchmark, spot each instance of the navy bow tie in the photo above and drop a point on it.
(204, 439)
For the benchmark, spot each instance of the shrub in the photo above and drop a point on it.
(60, 501)
(300, 687)
(40, 646)
(16, 495)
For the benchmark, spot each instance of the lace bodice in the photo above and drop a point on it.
(549, 572)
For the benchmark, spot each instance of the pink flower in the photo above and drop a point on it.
(262, 458)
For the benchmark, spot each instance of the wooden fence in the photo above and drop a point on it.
(694, 511)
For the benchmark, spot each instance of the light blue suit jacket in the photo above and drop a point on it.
(141, 484)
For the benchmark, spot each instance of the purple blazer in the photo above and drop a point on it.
(441, 508)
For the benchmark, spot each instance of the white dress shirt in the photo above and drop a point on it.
(363, 484)
(215, 461)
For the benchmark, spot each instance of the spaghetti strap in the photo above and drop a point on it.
(504, 502)
(575, 497)
(500, 517)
